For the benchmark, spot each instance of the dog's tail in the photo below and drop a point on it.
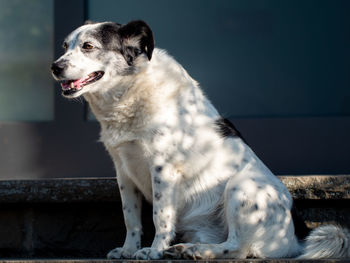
(328, 241)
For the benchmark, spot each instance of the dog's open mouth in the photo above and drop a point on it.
(71, 86)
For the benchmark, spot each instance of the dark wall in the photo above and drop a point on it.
(254, 58)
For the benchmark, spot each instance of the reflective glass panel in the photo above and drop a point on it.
(26, 52)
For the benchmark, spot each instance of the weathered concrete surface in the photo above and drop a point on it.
(72, 218)
(178, 261)
(61, 230)
(106, 190)
(59, 190)
(318, 187)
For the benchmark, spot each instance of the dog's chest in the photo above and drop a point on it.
(131, 161)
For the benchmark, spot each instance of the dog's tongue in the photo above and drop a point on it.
(74, 84)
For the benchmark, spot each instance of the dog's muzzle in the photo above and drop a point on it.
(71, 86)
(58, 67)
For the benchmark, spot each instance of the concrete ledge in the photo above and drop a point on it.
(178, 261)
(59, 190)
(318, 187)
(82, 218)
(311, 187)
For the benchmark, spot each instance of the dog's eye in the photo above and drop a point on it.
(65, 46)
(88, 46)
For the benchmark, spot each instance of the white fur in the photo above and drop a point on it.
(213, 192)
(328, 241)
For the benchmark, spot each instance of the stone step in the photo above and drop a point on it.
(82, 218)
(176, 261)
(310, 187)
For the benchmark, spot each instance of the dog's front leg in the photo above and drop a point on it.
(164, 180)
(131, 201)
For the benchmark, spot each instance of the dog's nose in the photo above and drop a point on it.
(58, 67)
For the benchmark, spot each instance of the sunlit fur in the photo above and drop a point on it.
(211, 191)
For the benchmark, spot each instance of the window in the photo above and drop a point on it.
(26, 33)
(42, 135)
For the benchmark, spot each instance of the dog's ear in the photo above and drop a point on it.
(136, 38)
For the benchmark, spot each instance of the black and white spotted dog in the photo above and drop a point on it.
(169, 144)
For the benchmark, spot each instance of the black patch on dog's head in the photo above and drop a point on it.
(227, 129)
(130, 40)
(107, 35)
(142, 33)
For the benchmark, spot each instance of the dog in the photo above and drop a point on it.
(171, 146)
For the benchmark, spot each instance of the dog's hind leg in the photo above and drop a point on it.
(258, 220)
(233, 247)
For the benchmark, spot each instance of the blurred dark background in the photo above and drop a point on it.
(278, 69)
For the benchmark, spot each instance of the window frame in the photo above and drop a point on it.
(65, 147)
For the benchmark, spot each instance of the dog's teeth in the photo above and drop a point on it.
(72, 85)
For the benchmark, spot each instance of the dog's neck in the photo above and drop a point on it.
(133, 101)
(121, 105)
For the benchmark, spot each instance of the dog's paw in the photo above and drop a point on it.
(120, 252)
(184, 251)
(175, 251)
(148, 253)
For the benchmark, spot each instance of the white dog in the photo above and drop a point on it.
(169, 144)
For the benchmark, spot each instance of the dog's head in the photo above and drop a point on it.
(100, 53)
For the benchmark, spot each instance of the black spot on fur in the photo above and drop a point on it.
(227, 129)
(300, 228)
(192, 101)
(121, 187)
(342, 244)
(225, 251)
(234, 189)
(157, 180)
(255, 207)
(155, 212)
(133, 234)
(158, 168)
(157, 196)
